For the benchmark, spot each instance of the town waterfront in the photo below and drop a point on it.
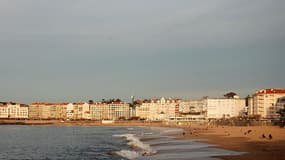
(96, 142)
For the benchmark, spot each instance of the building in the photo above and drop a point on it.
(249, 106)
(81, 111)
(114, 110)
(143, 109)
(192, 110)
(69, 111)
(99, 111)
(264, 102)
(224, 107)
(280, 107)
(158, 109)
(280, 103)
(78, 111)
(74, 111)
(10, 110)
(44, 110)
(192, 106)
(3, 110)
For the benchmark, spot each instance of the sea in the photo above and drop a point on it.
(101, 143)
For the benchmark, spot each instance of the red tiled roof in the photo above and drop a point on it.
(49, 103)
(271, 91)
(117, 102)
(24, 105)
(78, 103)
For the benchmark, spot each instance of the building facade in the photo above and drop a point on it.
(192, 110)
(44, 110)
(109, 111)
(158, 109)
(224, 107)
(10, 110)
(280, 103)
(264, 102)
(78, 111)
(192, 106)
(249, 106)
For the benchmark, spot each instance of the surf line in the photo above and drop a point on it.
(135, 142)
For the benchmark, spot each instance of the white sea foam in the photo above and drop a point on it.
(168, 131)
(133, 141)
(128, 154)
(130, 129)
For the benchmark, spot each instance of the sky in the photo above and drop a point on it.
(71, 50)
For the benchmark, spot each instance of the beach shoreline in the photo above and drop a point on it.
(247, 140)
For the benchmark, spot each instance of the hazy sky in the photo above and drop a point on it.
(71, 50)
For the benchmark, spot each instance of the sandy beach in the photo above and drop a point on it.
(249, 139)
(244, 139)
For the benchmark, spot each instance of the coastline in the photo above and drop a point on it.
(242, 139)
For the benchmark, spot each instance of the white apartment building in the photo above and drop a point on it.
(78, 111)
(81, 111)
(158, 109)
(3, 110)
(192, 106)
(46, 110)
(192, 110)
(224, 107)
(109, 111)
(13, 110)
(99, 111)
(69, 111)
(264, 102)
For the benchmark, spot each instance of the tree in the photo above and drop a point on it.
(146, 100)
(138, 102)
(230, 95)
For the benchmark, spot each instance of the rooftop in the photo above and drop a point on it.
(271, 91)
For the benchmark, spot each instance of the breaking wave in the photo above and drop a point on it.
(128, 154)
(133, 141)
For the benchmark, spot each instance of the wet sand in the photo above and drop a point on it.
(243, 139)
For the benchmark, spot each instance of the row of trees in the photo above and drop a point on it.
(107, 101)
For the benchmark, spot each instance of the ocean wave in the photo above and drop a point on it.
(168, 131)
(128, 154)
(133, 141)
